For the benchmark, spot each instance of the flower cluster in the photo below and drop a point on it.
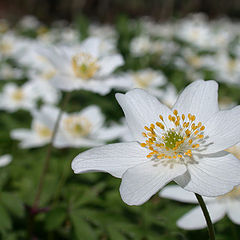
(176, 127)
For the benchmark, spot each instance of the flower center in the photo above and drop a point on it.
(48, 74)
(18, 95)
(42, 131)
(5, 47)
(175, 144)
(77, 126)
(84, 65)
(194, 61)
(231, 65)
(143, 80)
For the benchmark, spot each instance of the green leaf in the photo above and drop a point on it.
(13, 203)
(114, 234)
(5, 220)
(55, 218)
(82, 229)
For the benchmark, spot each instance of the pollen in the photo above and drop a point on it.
(18, 95)
(173, 144)
(77, 126)
(84, 65)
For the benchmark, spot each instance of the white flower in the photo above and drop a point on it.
(228, 204)
(84, 129)
(184, 144)
(107, 36)
(82, 67)
(227, 68)
(157, 29)
(195, 32)
(12, 45)
(5, 160)
(102, 31)
(41, 129)
(147, 79)
(196, 61)
(45, 91)
(29, 22)
(7, 72)
(40, 72)
(140, 45)
(16, 97)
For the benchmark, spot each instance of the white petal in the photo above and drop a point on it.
(194, 219)
(199, 98)
(66, 82)
(212, 176)
(92, 46)
(223, 130)
(5, 160)
(47, 115)
(141, 109)
(21, 133)
(139, 183)
(96, 85)
(109, 63)
(113, 158)
(57, 56)
(94, 115)
(233, 211)
(178, 194)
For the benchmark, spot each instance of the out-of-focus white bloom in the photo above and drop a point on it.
(168, 95)
(107, 36)
(195, 60)
(29, 22)
(140, 45)
(41, 129)
(7, 72)
(40, 72)
(195, 32)
(84, 129)
(228, 204)
(64, 35)
(157, 29)
(102, 31)
(5, 160)
(68, 35)
(83, 67)
(226, 103)
(45, 91)
(227, 68)
(147, 79)
(15, 97)
(11, 45)
(48, 36)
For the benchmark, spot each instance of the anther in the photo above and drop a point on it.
(175, 112)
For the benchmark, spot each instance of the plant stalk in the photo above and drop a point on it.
(49, 153)
(207, 217)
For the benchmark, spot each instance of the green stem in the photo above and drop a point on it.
(207, 217)
(49, 153)
(61, 182)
